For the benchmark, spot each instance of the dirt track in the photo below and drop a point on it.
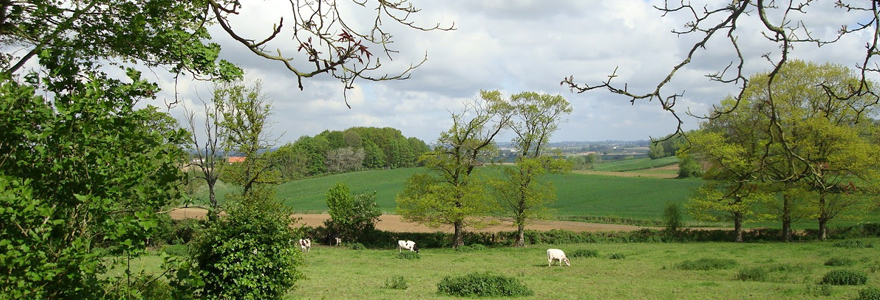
(395, 224)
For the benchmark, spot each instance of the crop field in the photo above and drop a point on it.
(618, 271)
(578, 194)
(636, 164)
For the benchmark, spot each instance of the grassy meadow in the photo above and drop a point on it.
(640, 271)
(646, 271)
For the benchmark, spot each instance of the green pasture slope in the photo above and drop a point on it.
(578, 194)
(635, 164)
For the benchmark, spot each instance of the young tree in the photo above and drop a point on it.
(351, 215)
(520, 191)
(451, 192)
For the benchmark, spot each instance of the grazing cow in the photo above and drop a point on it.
(556, 254)
(408, 245)
(305, 245)
(338, 240)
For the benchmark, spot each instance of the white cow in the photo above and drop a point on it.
(408, 245)
(556, 254)
(305, 244)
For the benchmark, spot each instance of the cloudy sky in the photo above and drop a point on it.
(515, 46)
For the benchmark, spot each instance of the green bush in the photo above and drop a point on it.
(839, 261)
(583, 253)
(464, 248)
(357, 246)
(482, 285)
(249, 254)
(844, 277)
(176, 250)
(752, 274)
(616, 256)
(408, 255)
(672, 217)
(478, 247)
(853, 244)
(821, 290)
(396, 283)
(705, 264)
(870, 293)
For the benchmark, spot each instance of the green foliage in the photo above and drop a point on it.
(616, 255)
(470, 248)
(839, 262)
(357, 246)
(752, 274)
(583, 253)
(351, 215)
(844, 277)
(483, 285)
(666, 146)
(672, 217)
(688, 167)
(851, 244)
(396, 283)
(249, 254)
(409, 255)
(869, 293)
(176, 250)
(705, 264)
(819, 290)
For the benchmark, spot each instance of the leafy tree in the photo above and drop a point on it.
(809, 146)
(351, 215)
(451, 192)
(688, 167)
(520, 191)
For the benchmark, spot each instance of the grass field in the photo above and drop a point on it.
(578, 194)
(645, 271)
(635, 164)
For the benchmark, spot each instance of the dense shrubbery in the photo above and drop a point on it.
(408, 255)
(774, 273)
(870, 293)
(483, 285)
(583, 253)
(839, 261)
(844, 277)
(853, 244)
(705, 264)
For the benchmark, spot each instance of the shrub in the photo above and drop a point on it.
(752, 274)
(478, 247)
(705, 264)
(408, 255)
(584, 253)
(482, 285)
(844, 277)
(870, 293)
(853, 244)
(616, 256)
(672, 217)
(396, 283)
(357, 246)
(839, 261)
(249, 254)
(821, 290)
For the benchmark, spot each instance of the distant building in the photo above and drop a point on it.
(235, 159)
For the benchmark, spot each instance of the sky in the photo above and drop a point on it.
(515, 46)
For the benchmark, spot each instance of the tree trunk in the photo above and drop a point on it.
(458, 237)
(737, 227)
(786, 218)
(823, 228)
(520, 236)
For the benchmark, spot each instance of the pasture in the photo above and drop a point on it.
(639, 271)
(646, 271)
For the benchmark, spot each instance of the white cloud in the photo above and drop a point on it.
(521, 45)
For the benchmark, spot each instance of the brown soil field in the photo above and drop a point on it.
(394, 223)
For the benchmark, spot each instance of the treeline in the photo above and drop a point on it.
(356, 148)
